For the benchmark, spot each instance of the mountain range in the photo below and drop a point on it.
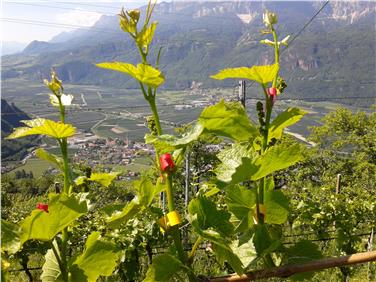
(334, 56)
(12, 47)
(10, 119)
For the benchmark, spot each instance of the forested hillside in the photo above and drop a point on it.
(10, 119)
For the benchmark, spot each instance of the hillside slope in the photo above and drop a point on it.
(10, 118)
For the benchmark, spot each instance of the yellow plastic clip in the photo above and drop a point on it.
(163, 224)
(262, 211)
(173, 218)
(169, 220)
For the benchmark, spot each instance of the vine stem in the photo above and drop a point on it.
(194, 249)
(276, 53)
(153, 107)
(269, 109)
(150, 97)
(261, 188)
(66, 190)
(175, 233)
(170, 194)
(169, 190)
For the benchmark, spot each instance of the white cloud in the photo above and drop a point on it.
(78, 17)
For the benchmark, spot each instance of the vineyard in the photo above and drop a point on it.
(223, 198)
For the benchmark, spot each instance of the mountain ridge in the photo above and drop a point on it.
(199, 38)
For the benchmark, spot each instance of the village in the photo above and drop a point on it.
(107, 151)
(92, 150)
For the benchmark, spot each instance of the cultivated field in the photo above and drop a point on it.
(121, 113)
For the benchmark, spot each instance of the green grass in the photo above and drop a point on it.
(139, 164)
(56, 151)
(36, 166)
(137, 167)
(143, 160)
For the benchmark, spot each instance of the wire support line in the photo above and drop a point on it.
(23, 269)
(297, 34)
(54, 7)
(116, 9)
(91, 5)
(329, 238)
(204, 247)
(304, 27)
(318, 99)
(52, 24)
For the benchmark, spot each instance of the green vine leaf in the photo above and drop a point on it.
(213, 224)
(145, 37)
(168, 143)
(221, 248)
(44, 155)
(98, 259)
(302, 252)
(223, 119)
(236, 164)
(277, 158)
(242, 203)
(225, 253)
(62, 211)
(260, 74)
(105, 179)
(283, 120)
(263, 242)
(164, 268)
(143, 73)
(51, 270)
(146, 192)
(10, 237)
(205, 212)
(228, 119)
(127, 212)
(276, 207)
(43, 126)
(246, 251)
(239, 163)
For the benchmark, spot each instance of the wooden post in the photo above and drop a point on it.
(288, 270)
(346, 277)
(338, 185)
(369, 249)
(338, 190)
(186, 192)
(370, 241)
(187, 179)
(162, 199)
(57, 187)
(241, 97)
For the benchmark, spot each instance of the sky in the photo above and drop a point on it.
(28, 20)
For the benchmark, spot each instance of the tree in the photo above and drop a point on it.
(345, 144)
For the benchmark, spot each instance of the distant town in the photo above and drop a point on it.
(93, 150)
